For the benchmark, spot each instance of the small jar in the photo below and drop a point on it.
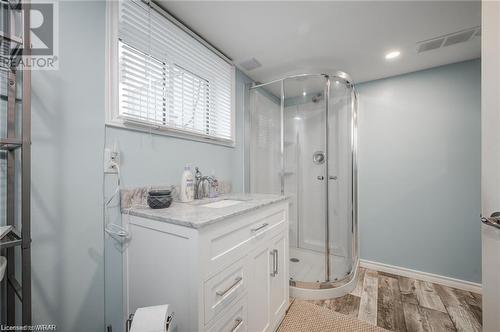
(159, 199)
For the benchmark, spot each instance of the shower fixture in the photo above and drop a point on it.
(313, 161)
(317, 98)
(319, 157)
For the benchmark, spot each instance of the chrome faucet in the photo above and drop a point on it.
(203, 184)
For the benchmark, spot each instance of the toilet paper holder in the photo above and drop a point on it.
(128, 322)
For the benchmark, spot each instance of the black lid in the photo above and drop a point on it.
(158, 192)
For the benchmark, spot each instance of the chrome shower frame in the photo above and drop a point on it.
(327, 288)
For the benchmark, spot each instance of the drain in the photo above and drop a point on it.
(294, 260)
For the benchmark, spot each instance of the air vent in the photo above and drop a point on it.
(449, 39)
(458, 38)
(431, 45)
(250, 64)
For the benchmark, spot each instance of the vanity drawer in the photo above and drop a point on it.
(234, 320)
(225, 243)
(222, 289)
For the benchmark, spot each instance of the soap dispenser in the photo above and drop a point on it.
(187, 185)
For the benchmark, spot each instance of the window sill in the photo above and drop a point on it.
(168, 132)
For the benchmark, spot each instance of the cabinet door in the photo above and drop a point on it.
(279, 293)
(259, 289)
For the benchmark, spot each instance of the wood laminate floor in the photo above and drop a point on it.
(403, 304)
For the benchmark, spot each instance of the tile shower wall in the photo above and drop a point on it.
(419, 170)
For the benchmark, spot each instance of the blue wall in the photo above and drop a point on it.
(68, 140)
(419, 170)
(70, 285)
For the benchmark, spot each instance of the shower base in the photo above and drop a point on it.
(307, 276)
(311, 266)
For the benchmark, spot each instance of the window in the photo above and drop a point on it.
(168, 81)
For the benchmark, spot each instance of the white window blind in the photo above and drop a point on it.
(168, 79)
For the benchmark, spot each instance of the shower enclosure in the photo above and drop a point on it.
(301, 142)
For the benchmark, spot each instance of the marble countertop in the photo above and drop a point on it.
(195, 215)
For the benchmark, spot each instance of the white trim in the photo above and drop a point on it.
(111, 63)
(170, 132)
(425, 276)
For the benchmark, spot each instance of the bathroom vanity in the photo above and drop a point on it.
(222, 264)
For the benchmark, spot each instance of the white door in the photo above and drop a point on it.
(258, 291)
(279, 278)
(490, 186)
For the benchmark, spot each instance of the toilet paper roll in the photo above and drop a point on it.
(150, 319)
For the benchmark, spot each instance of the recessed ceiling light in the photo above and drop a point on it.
(392, 55)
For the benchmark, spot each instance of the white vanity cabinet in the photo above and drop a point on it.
(229, 275)
(268, 299)
(279, 295)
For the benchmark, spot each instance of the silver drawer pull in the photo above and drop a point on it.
(227, 290)
(259, 228)
(277, 262)
(274, 253)
(237, 324)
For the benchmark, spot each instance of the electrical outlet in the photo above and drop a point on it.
(111, 158)
(115, 157)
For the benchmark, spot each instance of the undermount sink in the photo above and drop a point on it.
(222, 204)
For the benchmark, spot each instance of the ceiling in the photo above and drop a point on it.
(352, 36)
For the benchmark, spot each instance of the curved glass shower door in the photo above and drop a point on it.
(302, 144)
(304, 175)
(342, 180)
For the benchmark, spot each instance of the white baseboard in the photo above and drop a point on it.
(425, 276)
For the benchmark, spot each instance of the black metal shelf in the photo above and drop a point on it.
(15, 286)
(12, 239)
(18, 193)
(5, 98)
(10, 38)
(9, 144)
(14, 5)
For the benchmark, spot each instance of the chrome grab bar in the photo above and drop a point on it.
(227, 290)
(494, 220)
(253, 230)
(238, 322)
